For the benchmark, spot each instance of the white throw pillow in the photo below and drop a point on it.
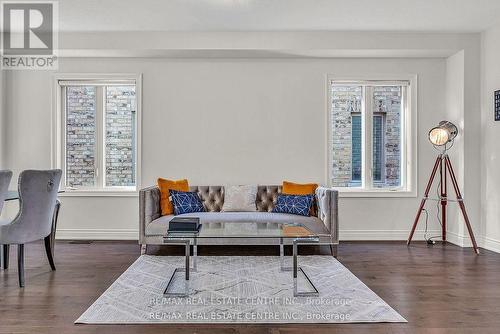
(240, 198)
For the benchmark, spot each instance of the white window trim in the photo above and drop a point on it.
(409, 177)
(57, 138)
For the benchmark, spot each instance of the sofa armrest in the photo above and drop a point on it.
(149, 209)
(327, 199)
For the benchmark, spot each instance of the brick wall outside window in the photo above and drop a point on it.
(80, 136)
(387, 101)
(120, 135)
(346, 100)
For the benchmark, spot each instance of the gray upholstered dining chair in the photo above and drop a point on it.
(5, 176)
(38, 196)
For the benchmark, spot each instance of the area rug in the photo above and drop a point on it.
(238, 289)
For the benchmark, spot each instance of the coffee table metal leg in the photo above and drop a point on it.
(296, 269)
(282, 256)
(186, 270)
(195, 254)
(187, 259)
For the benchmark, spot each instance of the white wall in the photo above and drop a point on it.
(490, 139)
(2, 122)
(455, 104)
(242, 120)
(3, 127)
(225, 121)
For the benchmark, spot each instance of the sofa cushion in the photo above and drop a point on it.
(186, 202)
(160, 225)
(290, 188)
(165, 185)
(239, 198)
(294, 204)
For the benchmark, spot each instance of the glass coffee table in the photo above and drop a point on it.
(258, 233)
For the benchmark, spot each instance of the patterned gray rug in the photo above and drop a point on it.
(237, 289)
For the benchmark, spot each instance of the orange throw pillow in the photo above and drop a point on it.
(166, 185)
(290, 188)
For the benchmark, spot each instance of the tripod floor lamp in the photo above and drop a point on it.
(442, 137)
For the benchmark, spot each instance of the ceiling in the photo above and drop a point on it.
(278, 15)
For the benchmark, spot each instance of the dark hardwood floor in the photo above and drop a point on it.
(439, 289)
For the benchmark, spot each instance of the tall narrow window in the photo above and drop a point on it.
(378, 148)
(99, 134)
(368, 132)
(356, 150)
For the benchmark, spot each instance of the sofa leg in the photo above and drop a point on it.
(333, 249)
(144, 249)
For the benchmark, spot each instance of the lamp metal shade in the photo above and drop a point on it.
(442, 134)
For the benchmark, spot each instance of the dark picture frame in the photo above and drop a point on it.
(497, 105)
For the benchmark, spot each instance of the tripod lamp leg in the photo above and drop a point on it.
(461, 204)
(415, 223)
(426, 194)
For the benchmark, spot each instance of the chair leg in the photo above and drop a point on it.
(49, 249)
(5, 256)
(20, 264)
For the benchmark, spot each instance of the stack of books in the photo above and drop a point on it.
(184, 224)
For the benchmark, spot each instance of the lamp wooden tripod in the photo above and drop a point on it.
(443, 163)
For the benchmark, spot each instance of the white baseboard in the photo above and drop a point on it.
(490, 244)
(482, 241)
(97, 234)
(384, 234)
(460, 240)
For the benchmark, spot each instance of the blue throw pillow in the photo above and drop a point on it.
(294, 204)
(186, 202)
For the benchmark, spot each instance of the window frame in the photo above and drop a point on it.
(409, 139)
(59, 131)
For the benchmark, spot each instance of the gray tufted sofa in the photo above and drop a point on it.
(152, 226)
